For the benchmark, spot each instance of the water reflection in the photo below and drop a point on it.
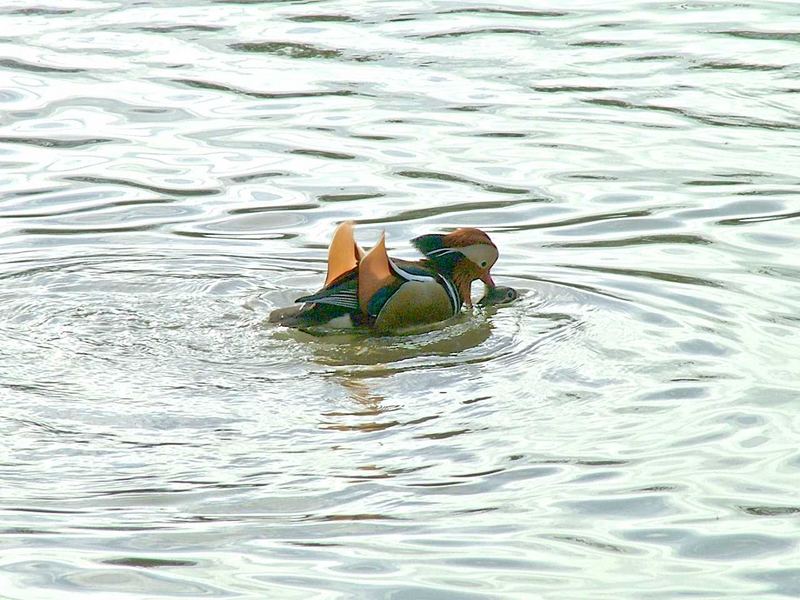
(369, 405)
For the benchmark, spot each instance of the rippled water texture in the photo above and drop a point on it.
(172, 171)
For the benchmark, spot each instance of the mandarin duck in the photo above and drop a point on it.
(385, 294)
(498, 295)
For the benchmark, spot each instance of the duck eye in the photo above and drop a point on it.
(483, 264)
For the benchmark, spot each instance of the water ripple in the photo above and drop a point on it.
(55, 143)
(171, 174)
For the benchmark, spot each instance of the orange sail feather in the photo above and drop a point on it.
(374, 273)
(344, 253)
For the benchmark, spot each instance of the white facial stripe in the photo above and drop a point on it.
(442, 252)
(483, 255)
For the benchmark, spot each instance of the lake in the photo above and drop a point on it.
(171, 172)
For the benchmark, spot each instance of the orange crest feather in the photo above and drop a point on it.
(466, 236)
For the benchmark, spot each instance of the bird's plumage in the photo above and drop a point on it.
(344, 253)
(387, 294)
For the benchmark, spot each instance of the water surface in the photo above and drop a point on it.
(172, 171)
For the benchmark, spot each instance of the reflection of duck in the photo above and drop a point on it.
(386, 294)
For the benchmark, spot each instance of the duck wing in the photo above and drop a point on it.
(342, 291)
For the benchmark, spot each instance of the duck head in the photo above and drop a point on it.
(498, 295)
(464, 255)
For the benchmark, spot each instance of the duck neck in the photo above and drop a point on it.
(457, 285)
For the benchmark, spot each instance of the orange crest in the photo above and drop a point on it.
(467, 236)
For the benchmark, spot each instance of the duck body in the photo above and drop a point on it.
(387, 294)
(416, 295)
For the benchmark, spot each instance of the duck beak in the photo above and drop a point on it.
(487, 279)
